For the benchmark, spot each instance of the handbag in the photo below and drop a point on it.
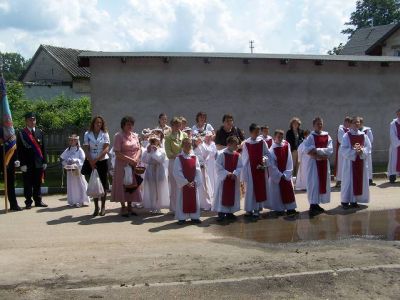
(86, 168)
(95, 187)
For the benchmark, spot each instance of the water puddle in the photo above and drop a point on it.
(383, 225)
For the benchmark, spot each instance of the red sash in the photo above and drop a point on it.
(286, 187)
(258, 175)
(228, 190)
(337, 151)
(398, 148)
(321, 141)
(357, 165)
(189, 193)
(33, 142)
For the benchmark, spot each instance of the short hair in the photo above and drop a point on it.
(227, 116)
(361, 120)
(127, 119)
(183, 119)
(162, 115)
(176, 120)
(253, 126)
(294, 119)
(103, 126)
(264, 127)
(347, 119)
(398, 111)
(355, 119)
(316, 119)
(200, 114)
(279, 131)
(232, 140)
(187, 140)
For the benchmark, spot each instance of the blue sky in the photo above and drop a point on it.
(276, 26)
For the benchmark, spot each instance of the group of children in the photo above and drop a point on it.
(201, 178)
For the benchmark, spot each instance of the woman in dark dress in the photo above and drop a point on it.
(295, 136)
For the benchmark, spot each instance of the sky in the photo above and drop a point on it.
(276, 26)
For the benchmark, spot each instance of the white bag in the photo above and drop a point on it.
(128, 175)
(95, 188)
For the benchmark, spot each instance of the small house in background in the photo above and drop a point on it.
(54, 71)
(381, 40)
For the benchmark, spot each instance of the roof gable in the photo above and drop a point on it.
(366, 39)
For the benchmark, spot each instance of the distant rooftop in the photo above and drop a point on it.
(365, 40)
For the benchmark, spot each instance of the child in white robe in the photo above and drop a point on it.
(394, 150)
(256, 159)
(318, 147)
(72, 161)
(368, 132)
(304, 158)
(211, 149)
(205, 189)
(355, 184)
(281, 196)
(188, 178)
(155, 184)
(265, 135)
(227, 193)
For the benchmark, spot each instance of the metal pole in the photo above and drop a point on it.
(4, 147)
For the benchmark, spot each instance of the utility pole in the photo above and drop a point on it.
(251, 45)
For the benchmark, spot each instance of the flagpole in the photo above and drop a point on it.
(5, 178)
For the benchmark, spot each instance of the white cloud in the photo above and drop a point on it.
(276, 26)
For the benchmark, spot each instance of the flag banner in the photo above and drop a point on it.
(8, 135)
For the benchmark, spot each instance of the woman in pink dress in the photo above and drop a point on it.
(127, 152)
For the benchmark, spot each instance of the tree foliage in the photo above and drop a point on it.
(58, 113)
(336, 50)
(14, 65)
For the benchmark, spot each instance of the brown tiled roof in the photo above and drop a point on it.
(66, 57)
(366, 39)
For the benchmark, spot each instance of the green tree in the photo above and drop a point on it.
(373, 13)
(14, 65)
(336, 50)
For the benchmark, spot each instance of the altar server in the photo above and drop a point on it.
(394, 150)
(338, 153)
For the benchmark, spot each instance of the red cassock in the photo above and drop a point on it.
(337, 151)
(258, 175)
(269, 142)
(398, 148)
(189, 193)
(286, 187)
(321, 141)
(228, 190)
(357, 165)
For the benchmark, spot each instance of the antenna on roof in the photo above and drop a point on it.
(251, 45)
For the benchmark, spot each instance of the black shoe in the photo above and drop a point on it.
(181, 222)
(96, 212)
(248, 214)
(292, 212)
(196, 221)
(392, 178)
(102, 212)
(313, 212)
(345, 205)
(41, 204)
(338, 184)
(15, 208)
(280, 213)
(231, 216)
(28, 206)
(371, 183)
(319, 208)
(221, 217)
(354, 205)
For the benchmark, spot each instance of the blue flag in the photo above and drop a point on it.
(8, 137)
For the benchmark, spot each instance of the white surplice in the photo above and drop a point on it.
(181, 181)
(339, 163)
(76, 182)
(205, 189)
(275, 200)
(304, 159)
(313, 194)
(155, 184)
(212, 151)
(250, 203)
(368, 132)
(349, 155)
(221, 176)
(394, 144)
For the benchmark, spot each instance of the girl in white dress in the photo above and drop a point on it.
(72, 161)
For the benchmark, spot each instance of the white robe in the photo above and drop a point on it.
(275, 200)
(250, 203)
(339, 162)
(206, 192)
(76, 182)
(313, 194)
(221, 176)
(155, 184)
(349, 155)
(210, 164)
(304, 159)
(181, 181)
(394, 143)
(368, 132)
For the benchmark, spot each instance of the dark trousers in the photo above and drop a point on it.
(11, 185)
(32, 182)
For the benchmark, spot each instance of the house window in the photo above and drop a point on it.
(397, 52)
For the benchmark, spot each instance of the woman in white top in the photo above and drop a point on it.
(201, 124)
(96, 144)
